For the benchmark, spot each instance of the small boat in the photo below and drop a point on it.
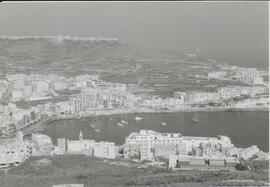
(93, 126)
(96, 130)
(163, 124)
(137, 118)
(124, 122)
(195, 118)
(120, 124)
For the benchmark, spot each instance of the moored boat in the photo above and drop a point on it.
(163, 124)
(124, 122)
(195, 118)
(93, 126)
(120, 125)
(137, 118)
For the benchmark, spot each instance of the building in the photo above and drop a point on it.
(18, 84)
(164, 150)
(7, 126)
(61, 147)
(92, 99)
(147, 143)
(179, 95)
(14, 151)
(237, 91)
(187, 162)
(15, 77)
(248, 75)
(23, 118)
(248, 152)
(27, 91)
(16, 95)
(64, 108)
(59, 85)
(42, 87)
(91, 148)
(42, 144)
(3, 85)
(217, 75)
(105, 150)
(81, 146)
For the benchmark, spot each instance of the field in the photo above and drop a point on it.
(46, 171)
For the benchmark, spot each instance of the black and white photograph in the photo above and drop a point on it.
(134, 93)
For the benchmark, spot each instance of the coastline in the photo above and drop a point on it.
(39, 127)
(187, 109)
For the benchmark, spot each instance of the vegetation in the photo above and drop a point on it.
(45, 171)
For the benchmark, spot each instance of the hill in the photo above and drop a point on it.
(111, 58)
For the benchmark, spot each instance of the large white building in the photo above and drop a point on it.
(249, 76)
(146, 142)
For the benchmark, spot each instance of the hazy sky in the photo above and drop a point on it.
(235, 32)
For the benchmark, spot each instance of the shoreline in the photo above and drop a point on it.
(38, 127)
(188, 109)
(149, 111)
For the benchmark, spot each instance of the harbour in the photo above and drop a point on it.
(244, 128)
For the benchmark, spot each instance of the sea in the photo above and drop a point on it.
(245, 128)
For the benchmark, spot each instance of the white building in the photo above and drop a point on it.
(15, 77)
(27, 91)
(42, 144)
(81, 146)
(105, 150)
(64, 108)
(91, 148)
(18, 84)
(59, 85)
(3, 85)
(249, 152)
(16, 95)
(249, 75)
(14, 151)
(217, 75)
(144, 142)
(42, 87)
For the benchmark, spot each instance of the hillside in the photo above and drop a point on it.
(112, 59)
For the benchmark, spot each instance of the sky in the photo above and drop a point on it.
(233, 32)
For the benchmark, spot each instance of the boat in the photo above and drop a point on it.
(137, 118)
(93, 126)
(96, 130)
(124, 122)
(120, 124)
(195, 118)
(163, 124)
